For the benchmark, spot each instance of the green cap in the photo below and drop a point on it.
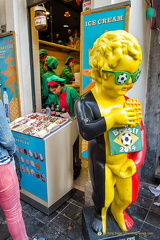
(69, 59)
(54, 79)
(52, 62)
(43, 52)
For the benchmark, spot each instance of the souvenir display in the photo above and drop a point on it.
(37, 125)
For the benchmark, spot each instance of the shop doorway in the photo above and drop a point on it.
(61, 39)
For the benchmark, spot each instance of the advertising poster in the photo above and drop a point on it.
(8, 77)
(31, 156)
(93, 25)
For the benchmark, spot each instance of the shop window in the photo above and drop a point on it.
(63, 19)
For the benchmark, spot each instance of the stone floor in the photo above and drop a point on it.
(66, 222)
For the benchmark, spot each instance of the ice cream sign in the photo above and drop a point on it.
(104, 21)
(94, 24)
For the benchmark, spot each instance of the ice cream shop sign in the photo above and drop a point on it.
(94, 24)
(104, 21)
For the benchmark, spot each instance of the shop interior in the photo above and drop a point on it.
(56, 40)
(64, 24)
(62, 37)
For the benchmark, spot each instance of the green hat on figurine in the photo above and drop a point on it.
(52, 62)
(69, 59)
(54, 80)
(43, 52)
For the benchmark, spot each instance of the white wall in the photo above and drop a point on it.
(139, 26)
(16, 20)
(2, 13)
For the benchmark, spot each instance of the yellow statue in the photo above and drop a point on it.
(114, 59)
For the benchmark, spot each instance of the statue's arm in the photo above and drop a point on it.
(89, 127)
(138, 157)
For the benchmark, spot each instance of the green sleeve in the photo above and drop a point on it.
(45, 90)
(66, 74)
(74, 94)
(41, 70)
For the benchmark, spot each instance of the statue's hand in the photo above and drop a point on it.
(128, 169)
(121, 117)
(125, 117)
(123, 170)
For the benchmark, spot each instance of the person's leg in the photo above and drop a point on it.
(10, 202)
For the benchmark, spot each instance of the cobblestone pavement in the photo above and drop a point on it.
(66, 222)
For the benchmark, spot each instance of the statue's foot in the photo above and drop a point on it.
(97, 226)
(128, 221)
(125, 222)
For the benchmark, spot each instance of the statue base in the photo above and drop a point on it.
(113, 231)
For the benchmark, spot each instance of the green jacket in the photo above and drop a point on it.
(66, 74)
(72, 96)
(42, 71)
(48, 97)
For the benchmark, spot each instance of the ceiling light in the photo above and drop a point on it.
(65, 26)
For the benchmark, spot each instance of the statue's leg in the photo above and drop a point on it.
(103, 191)
(103, 194)
(126, 193)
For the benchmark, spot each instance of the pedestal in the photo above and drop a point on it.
(113, 231)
